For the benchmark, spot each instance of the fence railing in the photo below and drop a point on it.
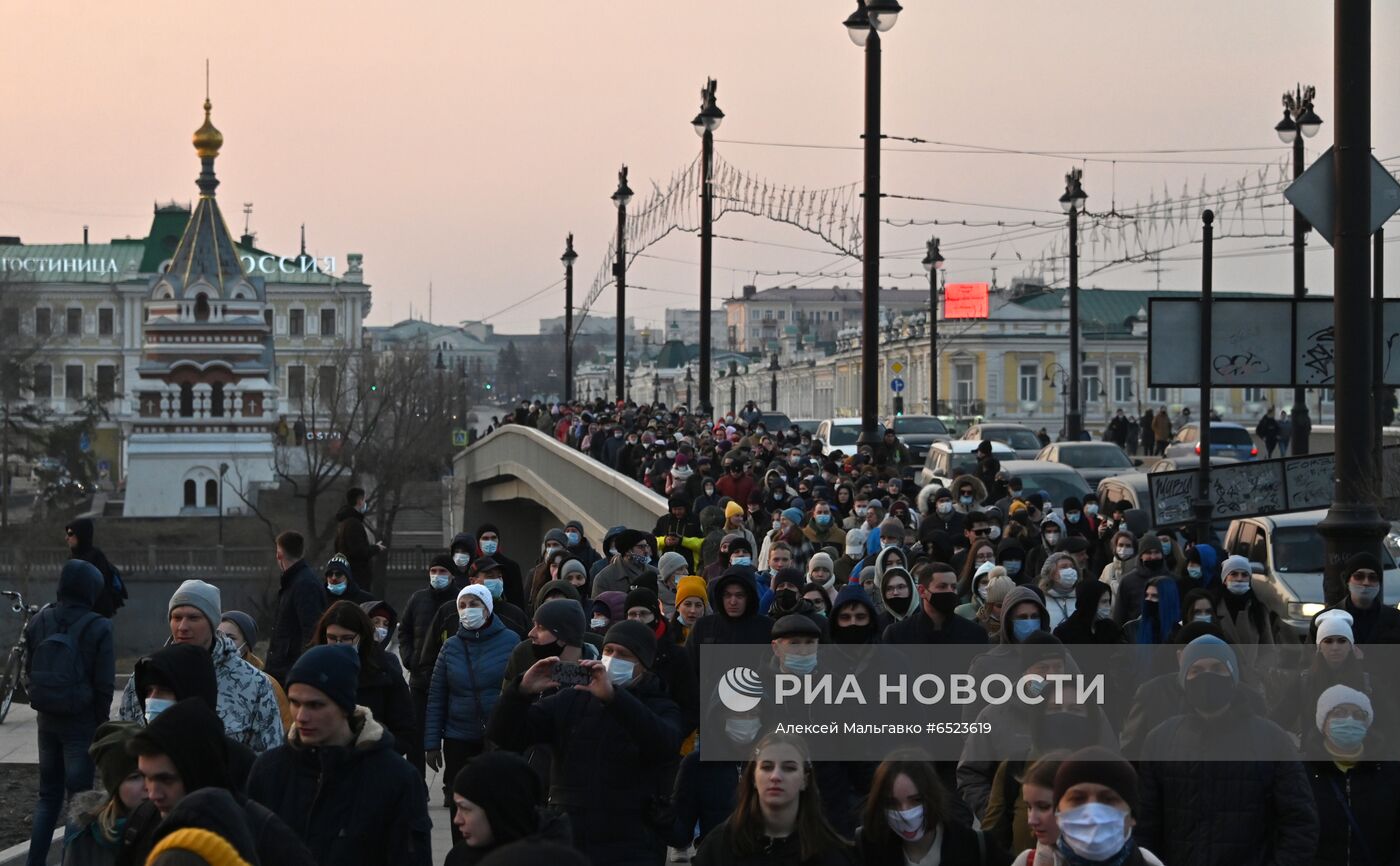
(184, 563)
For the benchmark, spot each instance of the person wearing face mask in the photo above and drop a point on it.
(384, 621)
(465, 686)
(671, 663)
(1023, 614)
(1245, 620)
(821, 570)
(339, 584)
(703, 795)
(1335, 662)
(854, 553)
(979, 559)
(301, 599)
(243, 631)
(1374, 621)
(821, 530)
(1127, 600)
(630, 567)
(936, 504)
(896, 591)
(906, 820)
(1075, 523)
(1357, 796)
(1201, 571)
(352, 538)
(619, 734)
(382, 689)
(605, 609)
(443, 584)
(1123, 545)
(934, 620)
(736, 618)
(1052, 534)
(578, 545)
(787, 599)
(989, 613)
(692, 603)
(735, 483)
(969, 493)
(1096, 810)
(1011, 555)
(488, 543)
(1241, 801)
(1092, 620)
(1059, 578)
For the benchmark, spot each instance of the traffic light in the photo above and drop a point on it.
(898, 405)
(489, 386)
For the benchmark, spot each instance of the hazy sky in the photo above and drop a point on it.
(458, 143)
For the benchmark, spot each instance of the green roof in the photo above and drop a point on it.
(1108, 310)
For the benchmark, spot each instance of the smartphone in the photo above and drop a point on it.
(572, 674)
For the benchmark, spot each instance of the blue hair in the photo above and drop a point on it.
(1168, 612)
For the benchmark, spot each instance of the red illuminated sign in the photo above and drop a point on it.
(965, 301)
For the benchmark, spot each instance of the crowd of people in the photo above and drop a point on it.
(552, 685)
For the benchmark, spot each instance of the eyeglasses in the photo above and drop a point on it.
(1358, 714)
(70, 533)
(342, 640)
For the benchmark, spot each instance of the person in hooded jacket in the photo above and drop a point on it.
(620, 733)
(895, 587)
(1132, 587)
(180, 752)
(605, 610)
(1357, 796)
(488, 543)
(736, 618)
(352, 540)
(242, 629)
(934, 621)
(1373, 621)
(68, 711)
(337, 782)
(1161, 615)
(703, 795)
(340, 583)
(786, 598)
(101, 815)
(79, 535)
(384, 620)
(672, 664)
(382, 689)
(853, 618)
(1092, 620)
(444, 582)
(1023, 614)
(578, 545)
(206, 828)
(301, 599)
(499, 801)
(1052, 535)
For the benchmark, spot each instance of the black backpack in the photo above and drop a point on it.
(59, 684)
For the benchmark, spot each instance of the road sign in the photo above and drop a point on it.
(896, 385)
(459, 438)
(84, 443)
(897, 368)
(1314, 194)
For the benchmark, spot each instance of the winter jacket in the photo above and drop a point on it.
(355, 805)
(352, 541)
(704, 795)
(417, 619)
(718, 850)
(1378, 624)
(959, 845)
(284, 708)
(230, 814)
(719, 628)
(247, 706)
(554, 828)
(510, 569)
(1370, 792)
(1252, 810)
(626, 748)
(1004, 658)
(301, 599)
(88, 847)
(384, 692)
(113, 593)
(674, 668)
(919, 628)
(621, 575)
(466, 683)
(78, 590)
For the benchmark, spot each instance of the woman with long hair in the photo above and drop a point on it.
(99, 816)
(777, 819)
(981, 552)
(906, 820)
(383, 689)
(1038, 794)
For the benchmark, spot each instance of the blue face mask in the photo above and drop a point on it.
(1072, 517)
(439, 581)
(156, 706)
(965, 500)
(489, 547)
(800, 664)
(742, 560)
(1347, 734)
(495, 585)
(336, 588)
(1193, 572)
(1024, 628)
(1012, 566)
(822, 520)
(572, 538)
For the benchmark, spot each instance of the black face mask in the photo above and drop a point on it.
(1210, 693)
(785, 599)
(549, 650)
(854, 634)
(1156, 566)
(899, 604)
(943, 602)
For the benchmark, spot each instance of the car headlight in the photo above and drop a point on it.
(1304, 609)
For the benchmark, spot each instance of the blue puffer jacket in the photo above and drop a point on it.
(466, 683)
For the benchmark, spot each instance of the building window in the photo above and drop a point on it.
(75, 322)
(190, 490)
(216, 400)
(186, 400)
(964, 382)
(43, 321)
(106, 382)
(1122, 383)
(1157, 396)
(767, 315)
(73, 381)
(1029, 383)
(1090, 385)
(296, 383)
(201, 308)
(296, 323)
(1328, 396)
(211, 494)
(326, 384)
(9, 321)
(328, 322)
(43, 382)
(1254, 395)
(267, 317)
(782, 315)
(104, 322)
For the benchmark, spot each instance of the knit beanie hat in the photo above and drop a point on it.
(332, 669)
(563, 617)
(245, 624)
(573, 566)
(1101, 767)
(793, 515)
(1334, 697)
(337, 564)
(892, 530)
(505, 787)
(636, 638)
(528, 852)
(1234, 563)
(108, 752)
(1207, 647)
(480, 592)
(642, 598)
(733, 509)
(209, 847)
(671, 563)
(820, 560)
(691, 586)
(1334, 623)
(998, 587)
(203, 597)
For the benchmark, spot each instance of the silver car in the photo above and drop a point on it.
(1018, 437)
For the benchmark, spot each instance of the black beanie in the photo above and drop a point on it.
(642, 598)
(504, 786)
(183, 668)
(564, 618)
(1101, 767)
(334, 670)
(635, 637)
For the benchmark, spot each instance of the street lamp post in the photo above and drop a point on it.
(655, 390)
(688, 380)
(733, 387)
(933, 263)
(864, 26)
(1056, 372)
(621, 197)
(223, 470)
(1299, 117)
(705, 124)
(1073, 202)
(568, 259)
(773, 383)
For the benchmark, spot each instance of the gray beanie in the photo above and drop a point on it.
(671, 563)
(245, 624)
(202, 596)
(573, 566)
(563, 617)
(1207, 647)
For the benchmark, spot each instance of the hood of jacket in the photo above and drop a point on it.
(979, 490)
(711, 519)
(880, 575)
(614, 602)
(882, 561)
(738, 575)
(370, 606)
(215, 810)
(463, 541)
(185, 669)
(610, 537)
(1056, 518)
(1015, 597)
(79, 583)
(83, 529)
(348, 511)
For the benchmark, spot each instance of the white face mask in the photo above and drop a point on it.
(1094, 831)
(1125, 553)
(380, 633)
(742, 730)
(909, 824)
(597, 622)
(1238, 587)
(619, 670)
(1068, 577)
(462, 560)
(473, 618)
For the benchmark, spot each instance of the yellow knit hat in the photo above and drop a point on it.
(215, 849)
(733, 509)
(692, 586)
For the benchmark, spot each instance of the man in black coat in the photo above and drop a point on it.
(301, 599)
(352, 799)
(444, 582)
(488, 543)
(180, 671)
(352, 539)
(79, 535)
(672, 663)
(935, 622)
(736, 620)
(1373, 621)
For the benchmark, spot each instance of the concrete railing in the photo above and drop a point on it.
(518, 464)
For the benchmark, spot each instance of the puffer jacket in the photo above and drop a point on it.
(384, 693)
(466, 683)
(415, 626)
(355, 805)
(247, 706)
(1252, 810)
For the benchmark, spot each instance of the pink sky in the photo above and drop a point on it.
(459, 143)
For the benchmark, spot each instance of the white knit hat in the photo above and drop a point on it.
(1336, 696)
(1334, 623)
(482, 594)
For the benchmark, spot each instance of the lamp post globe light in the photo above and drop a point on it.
(705, 124)
(1072, 202)
(568, 258)
(621, 197)
(933, 263)
(1299, 117)
(864, 26)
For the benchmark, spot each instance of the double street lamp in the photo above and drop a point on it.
(933, 263)
(1299, 122)
(568, 259)
(621, 197)
(705, 124)
(1072, 202)
(864, 26)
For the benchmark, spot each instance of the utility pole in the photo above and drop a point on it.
(1299, 122)
(621, 197)
(568, 259)
(705, 124)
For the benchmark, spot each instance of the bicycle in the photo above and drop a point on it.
(14, 665)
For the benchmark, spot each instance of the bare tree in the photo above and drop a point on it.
(22, 418)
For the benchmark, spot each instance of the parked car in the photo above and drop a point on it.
(918, 432)
(1130, 487)
(1226, 440)
(1287, 556)
(775, 422)
(807, 425)
(1167, 464)
(840, 434)
(1094, 460)
(1056, 481)
(948, 460)
(1018, 436)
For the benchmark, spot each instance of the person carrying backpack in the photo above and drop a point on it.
(69, 674)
